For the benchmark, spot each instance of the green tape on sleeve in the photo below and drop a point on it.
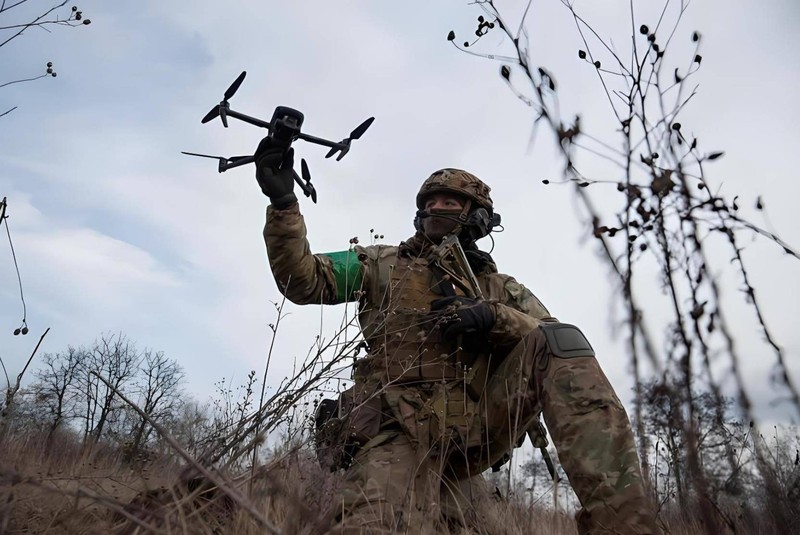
(347, 272)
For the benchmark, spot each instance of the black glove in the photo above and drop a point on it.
(463, 315)
(275, 173)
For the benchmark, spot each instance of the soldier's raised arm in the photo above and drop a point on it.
(303, 277)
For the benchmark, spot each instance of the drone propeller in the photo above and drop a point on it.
(309, 189)
(210, 115)
(203, 155)
(235, 85)
(342, 151)
(344, 145)
(360, 129)
(222, 108)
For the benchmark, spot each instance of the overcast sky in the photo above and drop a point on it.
(115, 230)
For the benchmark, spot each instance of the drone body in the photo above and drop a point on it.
(284, 129)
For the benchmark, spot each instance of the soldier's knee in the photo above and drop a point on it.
(552, 346)
(570, 369)
(566, 341)
(554, 340)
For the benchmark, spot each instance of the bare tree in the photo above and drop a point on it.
(159, 386)
(778, 456)
(116, 359)
(191, 425)
(720, 443)
(54, 388)
(18, 16)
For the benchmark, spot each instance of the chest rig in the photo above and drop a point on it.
(412, 348)
(404, 338)
(431, 387)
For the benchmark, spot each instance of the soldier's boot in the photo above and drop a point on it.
(591, 432)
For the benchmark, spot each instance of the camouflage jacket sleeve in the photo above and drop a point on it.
(303, 277)
(517, 313)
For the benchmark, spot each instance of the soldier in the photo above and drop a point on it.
(461, 361)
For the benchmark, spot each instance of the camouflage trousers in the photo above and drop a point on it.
(405, 482)
(589, 428)
(391, 488)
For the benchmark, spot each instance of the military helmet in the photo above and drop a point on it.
(456, 181)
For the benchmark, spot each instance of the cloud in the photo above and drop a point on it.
(98, 267)
(117, 230)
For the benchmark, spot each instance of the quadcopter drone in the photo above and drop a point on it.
(284, 128)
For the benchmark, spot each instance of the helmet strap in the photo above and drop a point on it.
(462, 217)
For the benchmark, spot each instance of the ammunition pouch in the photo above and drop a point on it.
(343, 426)
(455, 416)
(327, 433)
(444, 414)
(361, 410)
(441, 417)
(327, 409)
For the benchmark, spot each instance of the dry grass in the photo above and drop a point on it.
(64, 490)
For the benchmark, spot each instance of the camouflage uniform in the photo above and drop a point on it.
(428, 418)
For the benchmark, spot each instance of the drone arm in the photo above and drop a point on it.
(236, 161)
(248, 119)
(320, 141)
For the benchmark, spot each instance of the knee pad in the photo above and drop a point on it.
(566, 341)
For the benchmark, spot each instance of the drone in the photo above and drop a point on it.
(284, 129)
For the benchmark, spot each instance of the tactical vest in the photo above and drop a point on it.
(404, 339)
(411, 376)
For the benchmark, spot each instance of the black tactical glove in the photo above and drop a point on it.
(275, 173)
(463, 316)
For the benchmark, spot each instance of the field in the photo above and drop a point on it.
(64, 489)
